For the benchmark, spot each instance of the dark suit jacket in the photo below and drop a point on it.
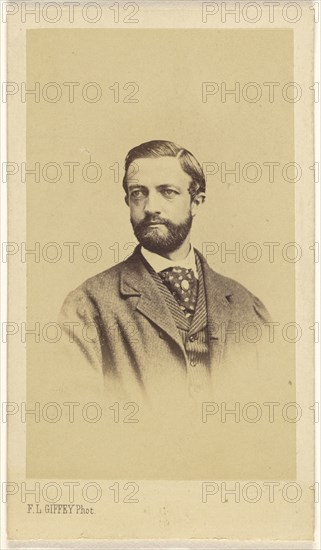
(123, 328)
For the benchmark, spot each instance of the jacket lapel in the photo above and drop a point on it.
(135, 280)
(218, 311)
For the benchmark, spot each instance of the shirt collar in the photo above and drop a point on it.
(158, 263)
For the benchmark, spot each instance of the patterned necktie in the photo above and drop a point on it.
(182, 283)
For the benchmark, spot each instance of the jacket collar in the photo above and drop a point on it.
(218, 294)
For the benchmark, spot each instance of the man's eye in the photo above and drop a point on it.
(169, 192)
(137, 194)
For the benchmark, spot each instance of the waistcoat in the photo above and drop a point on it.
(193, 333)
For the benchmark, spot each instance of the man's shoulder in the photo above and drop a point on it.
(230, 286)
(226, 284)
(100, 289)
(105, 280)
(240, 298)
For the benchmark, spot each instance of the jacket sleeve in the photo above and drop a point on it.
(78, 320)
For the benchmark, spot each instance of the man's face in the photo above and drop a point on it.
(161, 209)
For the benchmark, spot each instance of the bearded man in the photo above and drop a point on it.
(163, 319)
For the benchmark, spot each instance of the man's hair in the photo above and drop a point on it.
(162, 148)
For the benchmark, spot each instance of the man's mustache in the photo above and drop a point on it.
(150, 219)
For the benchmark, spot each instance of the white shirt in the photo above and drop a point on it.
(159, 263)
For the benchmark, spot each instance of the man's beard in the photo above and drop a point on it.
(151, 238)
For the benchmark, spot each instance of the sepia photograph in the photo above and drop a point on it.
(176, 315)
(161, 258)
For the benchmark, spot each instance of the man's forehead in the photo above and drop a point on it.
(159, 169)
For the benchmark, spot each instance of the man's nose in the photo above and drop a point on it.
(152, 203)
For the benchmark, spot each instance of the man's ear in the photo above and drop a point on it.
(197, 201)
